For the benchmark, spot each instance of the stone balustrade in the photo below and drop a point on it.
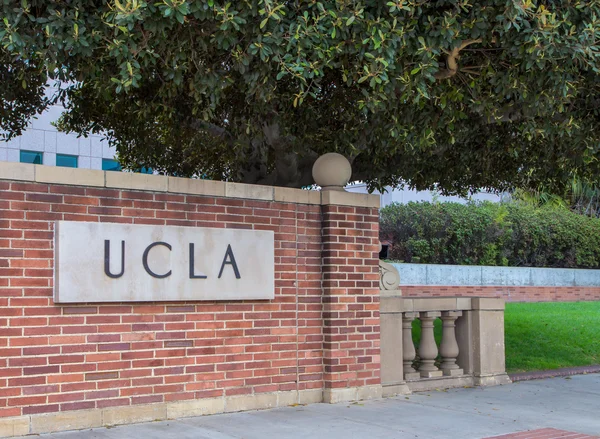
(471, 352)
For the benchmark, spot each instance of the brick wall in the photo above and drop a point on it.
(350, 296)
(510, 294)
(321, 331)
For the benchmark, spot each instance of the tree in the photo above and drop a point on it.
(461, 94)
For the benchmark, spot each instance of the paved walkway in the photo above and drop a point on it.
(556, 406)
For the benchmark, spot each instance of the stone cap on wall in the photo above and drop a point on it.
(162, 183)
(424, 304)
(475, 275)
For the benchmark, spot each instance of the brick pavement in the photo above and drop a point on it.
(545, 433)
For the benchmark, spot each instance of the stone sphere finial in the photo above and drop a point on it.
(332, 171)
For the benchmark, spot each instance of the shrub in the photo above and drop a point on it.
(513, 234)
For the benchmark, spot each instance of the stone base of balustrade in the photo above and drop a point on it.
(412, 376)
(419, 384)
(496, 379)
(427, 384)
(431, 374)
(453, 372)
(395, 389)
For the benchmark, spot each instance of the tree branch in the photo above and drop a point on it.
(214, 130)
(452, 60)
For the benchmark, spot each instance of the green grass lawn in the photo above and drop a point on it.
(549, 335)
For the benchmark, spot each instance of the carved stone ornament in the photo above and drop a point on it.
(389, 278)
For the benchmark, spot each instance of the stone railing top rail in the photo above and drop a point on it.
(398, 304)
(472, 275)
(162, 183)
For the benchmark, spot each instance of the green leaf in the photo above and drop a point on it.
(350, 20)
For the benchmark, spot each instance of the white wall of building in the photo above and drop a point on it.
(41, 136)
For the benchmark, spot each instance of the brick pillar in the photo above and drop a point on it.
(351, 335)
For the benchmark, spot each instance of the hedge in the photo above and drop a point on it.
(508, 234)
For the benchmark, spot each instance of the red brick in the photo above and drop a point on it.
(37, 409)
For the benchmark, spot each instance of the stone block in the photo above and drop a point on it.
(285, 399)
(397, 389)
(553, 277)
(96, 163)
(412, 274)
(440, 383)
(453, 372)
(488, 303)
(395, 304)
(72, 176)
(50, 141)
(248, 191)
(134, 414)
(453, 275)
(96, 147)
(13, 155)
(505, 276)
(463, 303)
(298, 196)
(310, 396)
(196, 186)
(195, 407)
(146, 272)
(430, 314)
(67, 144)
(587, 278)
(333, 396)
(431, 373)
(17, 171)
(32, 140)
(84, 162)
(434, 304)
(143, 182)
(49, 159)
(412, 376)
(369, 392)
(488, 342)
(391, 355)
(342, 198)
(63, 421)
(464, 337)
(14, 143)
(257, 401)
(14, 426)
(85, 146)
(492, 380)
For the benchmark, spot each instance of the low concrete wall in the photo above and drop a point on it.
(472, 275)
(513, 284)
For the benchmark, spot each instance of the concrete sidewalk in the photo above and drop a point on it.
(571, 403)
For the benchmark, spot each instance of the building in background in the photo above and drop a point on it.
(41, 143)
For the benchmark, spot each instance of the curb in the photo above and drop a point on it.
(540, 374)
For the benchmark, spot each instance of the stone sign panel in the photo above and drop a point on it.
(105, 262)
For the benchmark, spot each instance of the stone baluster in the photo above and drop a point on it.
(449, 347)
(408, 347)
(428, 350)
